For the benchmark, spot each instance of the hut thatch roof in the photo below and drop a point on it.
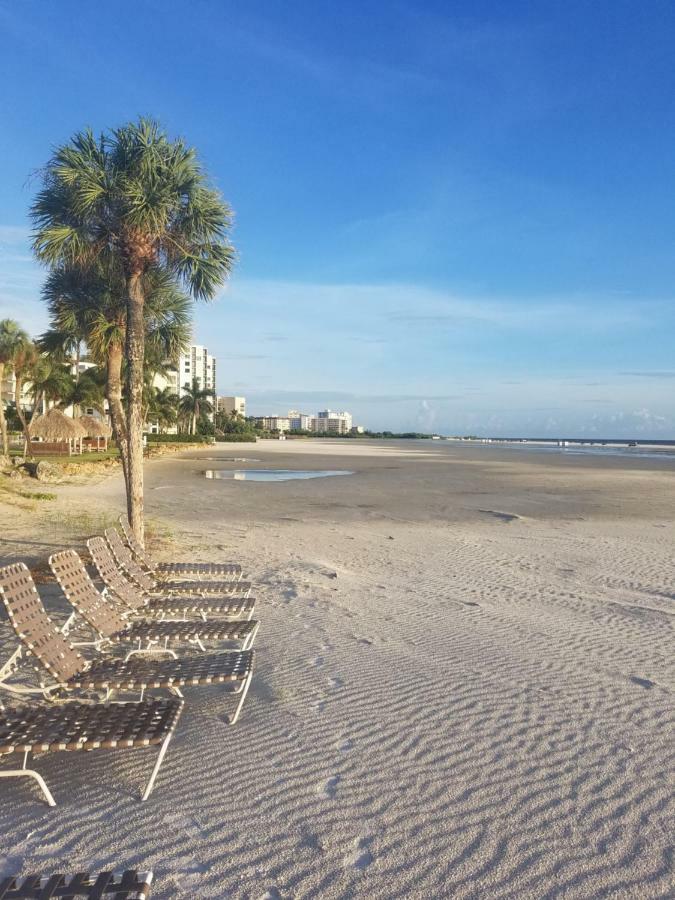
(95, 427)
(55, 426)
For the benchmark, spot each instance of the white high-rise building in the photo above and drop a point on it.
(197, 364)
(299, 421)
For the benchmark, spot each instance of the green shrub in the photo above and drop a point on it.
(235, 438)
(178, 439)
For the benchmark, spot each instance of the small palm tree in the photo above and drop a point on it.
(50, 380)
(135, 200)
(163, 408)
(26, 360)
(87, 391)
(194, 402)
(12, 337)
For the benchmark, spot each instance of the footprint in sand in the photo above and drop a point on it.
(271, 894)
(319, 705)
(318, 662)
(336, 683)
(329, 788)
(360, 857)
(346, 745)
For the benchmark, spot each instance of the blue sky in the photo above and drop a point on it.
(449, 216)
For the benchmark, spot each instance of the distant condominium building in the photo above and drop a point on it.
(196, 365)
(329, 422)
(324, 422)
(229, 405)
(299, 421)
(273, 423)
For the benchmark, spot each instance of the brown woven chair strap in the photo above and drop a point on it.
(125, 559)
(203, 587)
(85, 726)
(140, 672)
(129, 885)
(210, 569)
(110, 573)
(30, 621)
(80, 590)
(193, 606)
(184, 631)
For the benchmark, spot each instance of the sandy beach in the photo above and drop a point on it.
(463, 682)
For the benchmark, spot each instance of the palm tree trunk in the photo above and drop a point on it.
(3, 421)
(113, 393)
(135, 358)
(77, 374)
(20, 413)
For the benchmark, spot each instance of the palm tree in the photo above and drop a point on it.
(26, 360)
(193, 403)
(163, 407)
(12, 337)
(87, 391)
(50, 380)
(137, 200)
(90, 302)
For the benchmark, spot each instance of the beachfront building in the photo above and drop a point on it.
(324, 422)
(329, 422)
(230, 405)
(196, 365)
(299, 421)
(273, 423)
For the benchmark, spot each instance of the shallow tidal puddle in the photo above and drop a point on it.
(273, 474)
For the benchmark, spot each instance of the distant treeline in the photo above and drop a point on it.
(365, 434)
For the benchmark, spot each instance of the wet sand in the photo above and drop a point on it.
(463, 683)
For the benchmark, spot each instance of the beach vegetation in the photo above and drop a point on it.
(195, 403)
(12, 338)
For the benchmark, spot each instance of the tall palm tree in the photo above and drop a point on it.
(12, 337)
(135, 199)
(193, 403)
(90, 301)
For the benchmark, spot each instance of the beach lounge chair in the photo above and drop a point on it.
(120, 886)
(126, 561)
(70, 671)
(86, 726)
(162, 608)
(181, 569)
(113, 626)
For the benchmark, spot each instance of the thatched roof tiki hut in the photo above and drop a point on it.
(96, 429)
(55, 433)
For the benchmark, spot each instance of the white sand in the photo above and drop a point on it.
(476, 707)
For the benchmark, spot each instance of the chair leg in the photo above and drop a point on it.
(30, 773)
(155, 770)
(243, 691)
(248, 643)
